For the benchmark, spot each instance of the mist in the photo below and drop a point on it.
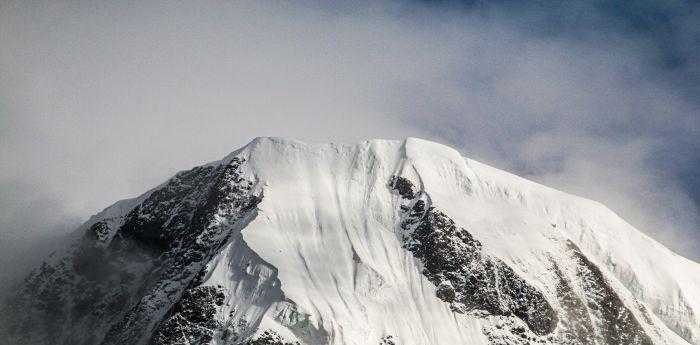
(100, 101)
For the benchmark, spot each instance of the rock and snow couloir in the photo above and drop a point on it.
(380, 242)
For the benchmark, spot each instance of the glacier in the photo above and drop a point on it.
(378, 242)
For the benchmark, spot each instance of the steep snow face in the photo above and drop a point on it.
(380, 242)
(328, 221)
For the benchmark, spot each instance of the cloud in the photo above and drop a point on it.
(100, 101)
(592, 115)
(31, 224)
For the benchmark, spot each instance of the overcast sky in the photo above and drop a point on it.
(100, 101)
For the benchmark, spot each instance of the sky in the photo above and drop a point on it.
(100, 101)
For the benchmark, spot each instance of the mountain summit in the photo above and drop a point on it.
(380, 242)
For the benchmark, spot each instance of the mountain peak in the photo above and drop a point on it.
(382, 241)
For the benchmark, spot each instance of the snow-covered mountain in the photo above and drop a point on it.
(380, 242)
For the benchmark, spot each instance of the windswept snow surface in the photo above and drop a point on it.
(328, 223)
(314, 243)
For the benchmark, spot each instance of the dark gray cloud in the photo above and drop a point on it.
(100, 101)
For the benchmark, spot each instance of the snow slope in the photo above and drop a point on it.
(338, 244)
(327, 205)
